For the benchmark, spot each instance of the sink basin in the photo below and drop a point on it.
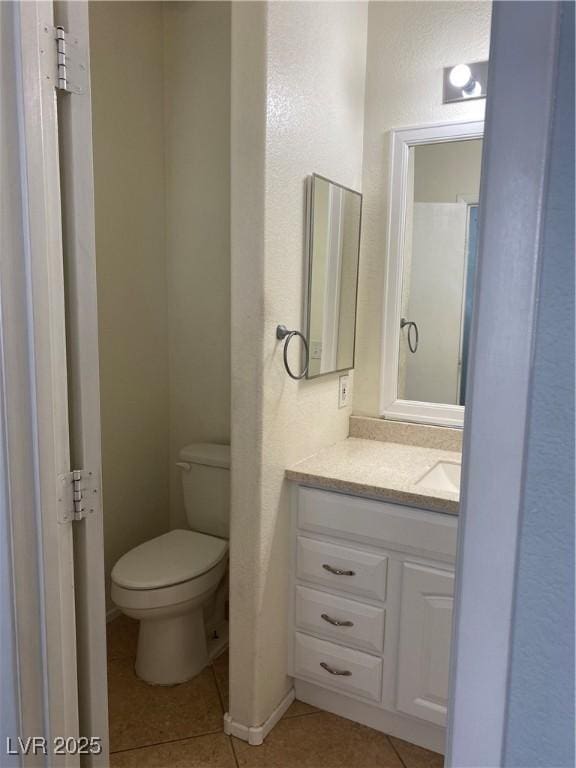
(444, 476)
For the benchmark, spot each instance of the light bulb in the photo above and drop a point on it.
(473, 90)
(460, 75)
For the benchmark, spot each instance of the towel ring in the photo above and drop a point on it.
(412, 342)
(283, 333)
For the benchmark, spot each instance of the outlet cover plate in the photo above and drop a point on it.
(343, 390)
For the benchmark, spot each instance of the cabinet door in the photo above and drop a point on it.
(424, 649)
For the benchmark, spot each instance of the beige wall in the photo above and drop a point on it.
(409, 43)
(197, 152)
(298, 74)
(444, 171)
(126, 62)
(161, 111)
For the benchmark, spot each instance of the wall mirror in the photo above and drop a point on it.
(334, 216)
(435, 182)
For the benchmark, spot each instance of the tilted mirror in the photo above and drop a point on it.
(432, 263)
(334, 214)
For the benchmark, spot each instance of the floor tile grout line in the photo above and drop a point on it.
(231, 740)
(168, 741)
(234, 752)
(221, 697)
(219, 693)
(199, 735)
(301, 714)
(127, 657)
(398, 755)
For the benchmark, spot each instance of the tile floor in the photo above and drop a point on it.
(181, 726)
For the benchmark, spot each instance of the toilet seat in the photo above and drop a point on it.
(168, 598)
(172, 642)
(174, 558)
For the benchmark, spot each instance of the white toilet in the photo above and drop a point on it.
(167, 582)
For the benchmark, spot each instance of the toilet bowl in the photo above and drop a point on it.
(166, 583)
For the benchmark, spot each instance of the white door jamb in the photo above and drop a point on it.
(523, 59)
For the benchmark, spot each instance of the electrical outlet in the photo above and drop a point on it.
(343, 390)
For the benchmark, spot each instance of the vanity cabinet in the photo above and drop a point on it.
(372, 593)
(424, 646)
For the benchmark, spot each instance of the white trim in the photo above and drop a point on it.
(253, 734)
(519, 113)
(401, 140)
(438, 414)
(75, 125)
(46, 316)
(17, 418)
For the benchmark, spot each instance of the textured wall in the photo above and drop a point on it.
(409, 44)
(248, 139)
(197, 156)
(126, 70)
(540, 730)
(297, 107)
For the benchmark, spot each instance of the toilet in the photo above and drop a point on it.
(167, 583)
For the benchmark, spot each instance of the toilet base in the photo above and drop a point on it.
(172, 649)
(172, 646)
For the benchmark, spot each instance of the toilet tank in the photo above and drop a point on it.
(205, 471)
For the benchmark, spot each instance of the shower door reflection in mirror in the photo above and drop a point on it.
(438, 270)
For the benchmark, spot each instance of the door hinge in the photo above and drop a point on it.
(68, 69)
(78, 495)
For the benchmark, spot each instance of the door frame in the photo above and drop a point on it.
(51, 392)
(23, 656)
(519, 111)
(79, 249)
(47, 406)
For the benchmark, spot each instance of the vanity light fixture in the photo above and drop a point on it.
(465, 81)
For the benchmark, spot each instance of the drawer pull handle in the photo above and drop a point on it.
(338, 571)
(336, 622)
(339, 672)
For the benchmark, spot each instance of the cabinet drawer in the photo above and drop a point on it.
(342, 568)
(344, 620)
(376, 522)
(321, 661)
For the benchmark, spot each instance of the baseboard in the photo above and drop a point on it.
(409, 729)
(112, 614)
(255, 735)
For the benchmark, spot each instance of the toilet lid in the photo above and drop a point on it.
(169, 559)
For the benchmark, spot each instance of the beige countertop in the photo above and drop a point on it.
(379, 470)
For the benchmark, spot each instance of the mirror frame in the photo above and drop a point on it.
(310, 182)
(391, 407)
